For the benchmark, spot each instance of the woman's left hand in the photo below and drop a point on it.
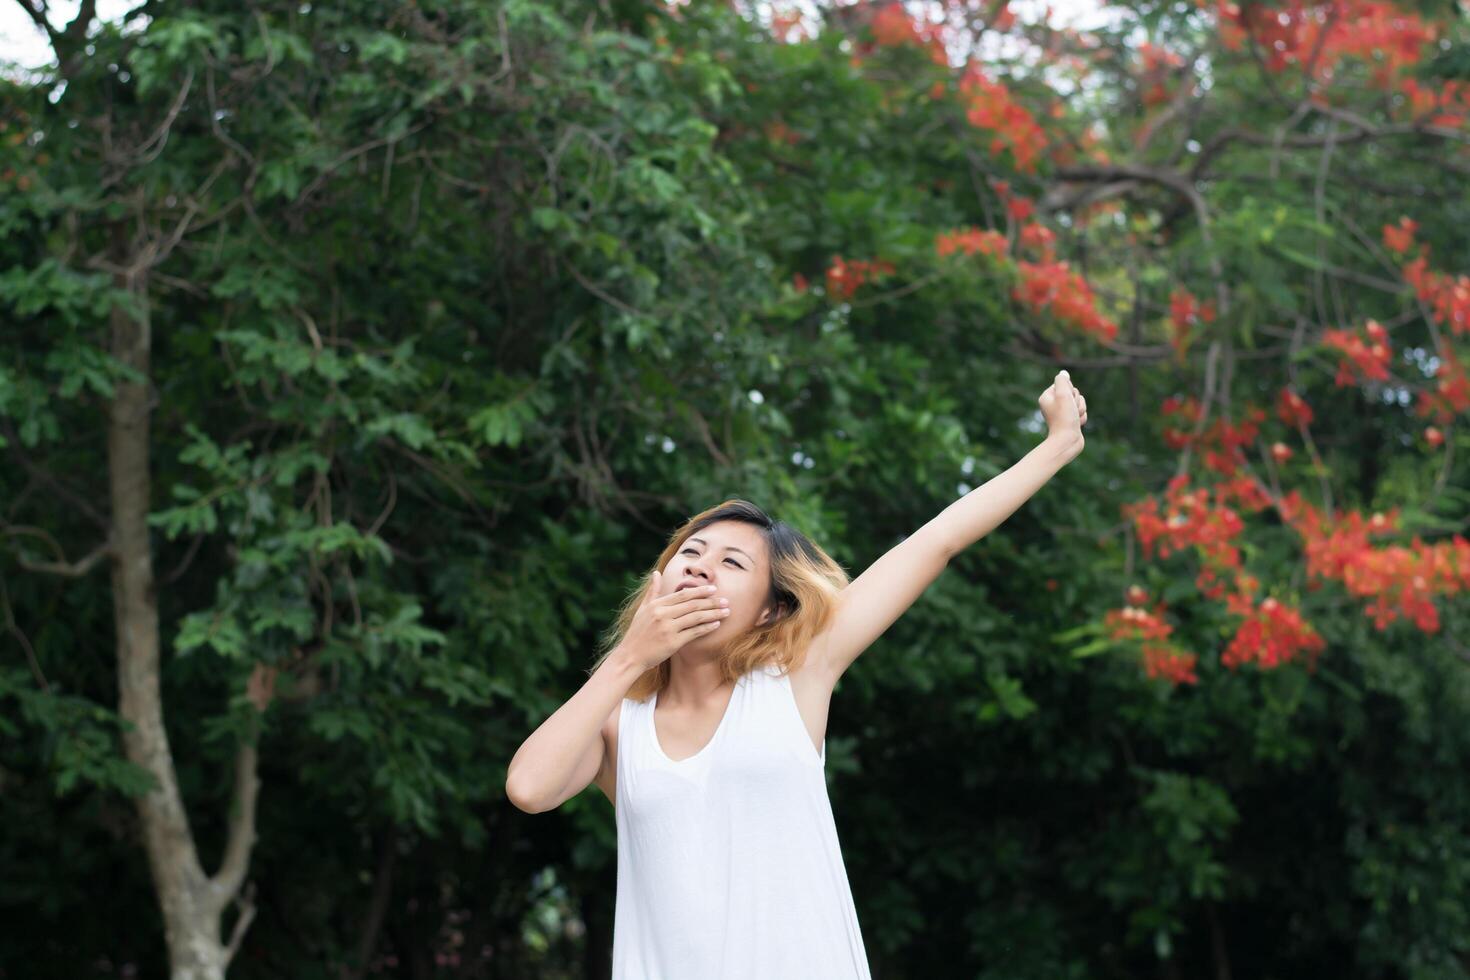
(1064, 409)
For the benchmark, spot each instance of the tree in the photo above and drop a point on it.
(410, 329)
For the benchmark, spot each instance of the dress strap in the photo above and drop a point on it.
(779, 701)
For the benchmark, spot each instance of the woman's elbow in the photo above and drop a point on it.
(523, 798)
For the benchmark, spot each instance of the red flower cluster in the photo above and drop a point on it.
(1396, 580)
(1245, 492)
(1448, 300)
(1148, 627)
(1400, 238)
(1362, 360)
(1193, 521)
(1188, 409)
(1320, 35)
(1046, 285)
(844, 276)
(1186, 312)
(1053, 286)
(1448, 105)
(1173, 665)
(1292, 409)
(1448, 296)
(1158, 65)
(1450, 395)
(1018, 207)
(1220, 444)
(1039, 239)
(1402, 580)
(1133, 622)
(970, 241)
(892, 26)
(991, 106)
(1190, 521)
(1272, 634)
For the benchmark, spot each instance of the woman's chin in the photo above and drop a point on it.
(705, 644)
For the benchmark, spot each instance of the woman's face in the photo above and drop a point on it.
(731, 556)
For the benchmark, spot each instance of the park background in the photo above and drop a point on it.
(359, 357)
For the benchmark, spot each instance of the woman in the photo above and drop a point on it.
(704, 724)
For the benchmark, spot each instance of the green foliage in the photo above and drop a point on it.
(472, 304)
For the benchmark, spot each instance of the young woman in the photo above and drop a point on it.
(704, 724)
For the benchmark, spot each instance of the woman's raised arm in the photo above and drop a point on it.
(877, 597)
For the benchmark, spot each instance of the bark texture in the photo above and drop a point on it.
(192, 903)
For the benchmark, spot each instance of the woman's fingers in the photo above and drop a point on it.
(679, 596)
(697, 613)
(701, 617)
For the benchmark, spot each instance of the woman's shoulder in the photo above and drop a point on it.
(769, 669)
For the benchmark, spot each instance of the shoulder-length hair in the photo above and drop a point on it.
(805, 583)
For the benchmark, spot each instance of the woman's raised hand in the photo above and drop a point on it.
(1064, 409)
(664, 623)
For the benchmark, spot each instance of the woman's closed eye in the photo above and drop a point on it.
(691, 551)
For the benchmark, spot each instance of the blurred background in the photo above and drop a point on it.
(360, 357)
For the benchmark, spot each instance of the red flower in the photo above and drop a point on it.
(844, 276)
(1292, 410)
(1400, 238)
(970, 241)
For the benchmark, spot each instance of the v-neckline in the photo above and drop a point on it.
(653, 727)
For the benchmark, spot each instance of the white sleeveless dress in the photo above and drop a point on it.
(728, 861)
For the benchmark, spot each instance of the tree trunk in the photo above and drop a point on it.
(191, 902)
(378, 904)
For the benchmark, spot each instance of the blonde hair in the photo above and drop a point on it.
(805, 583)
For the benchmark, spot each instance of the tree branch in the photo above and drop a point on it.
(37, 12)
(237, 934)
(13, 628)
(225, 884)
(1364, 130)
(68, 44)
(62, 567)
(377, 907)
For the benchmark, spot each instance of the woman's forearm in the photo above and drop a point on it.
(548, 761)
(980, 511)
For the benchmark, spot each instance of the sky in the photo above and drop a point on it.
(23, 43)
